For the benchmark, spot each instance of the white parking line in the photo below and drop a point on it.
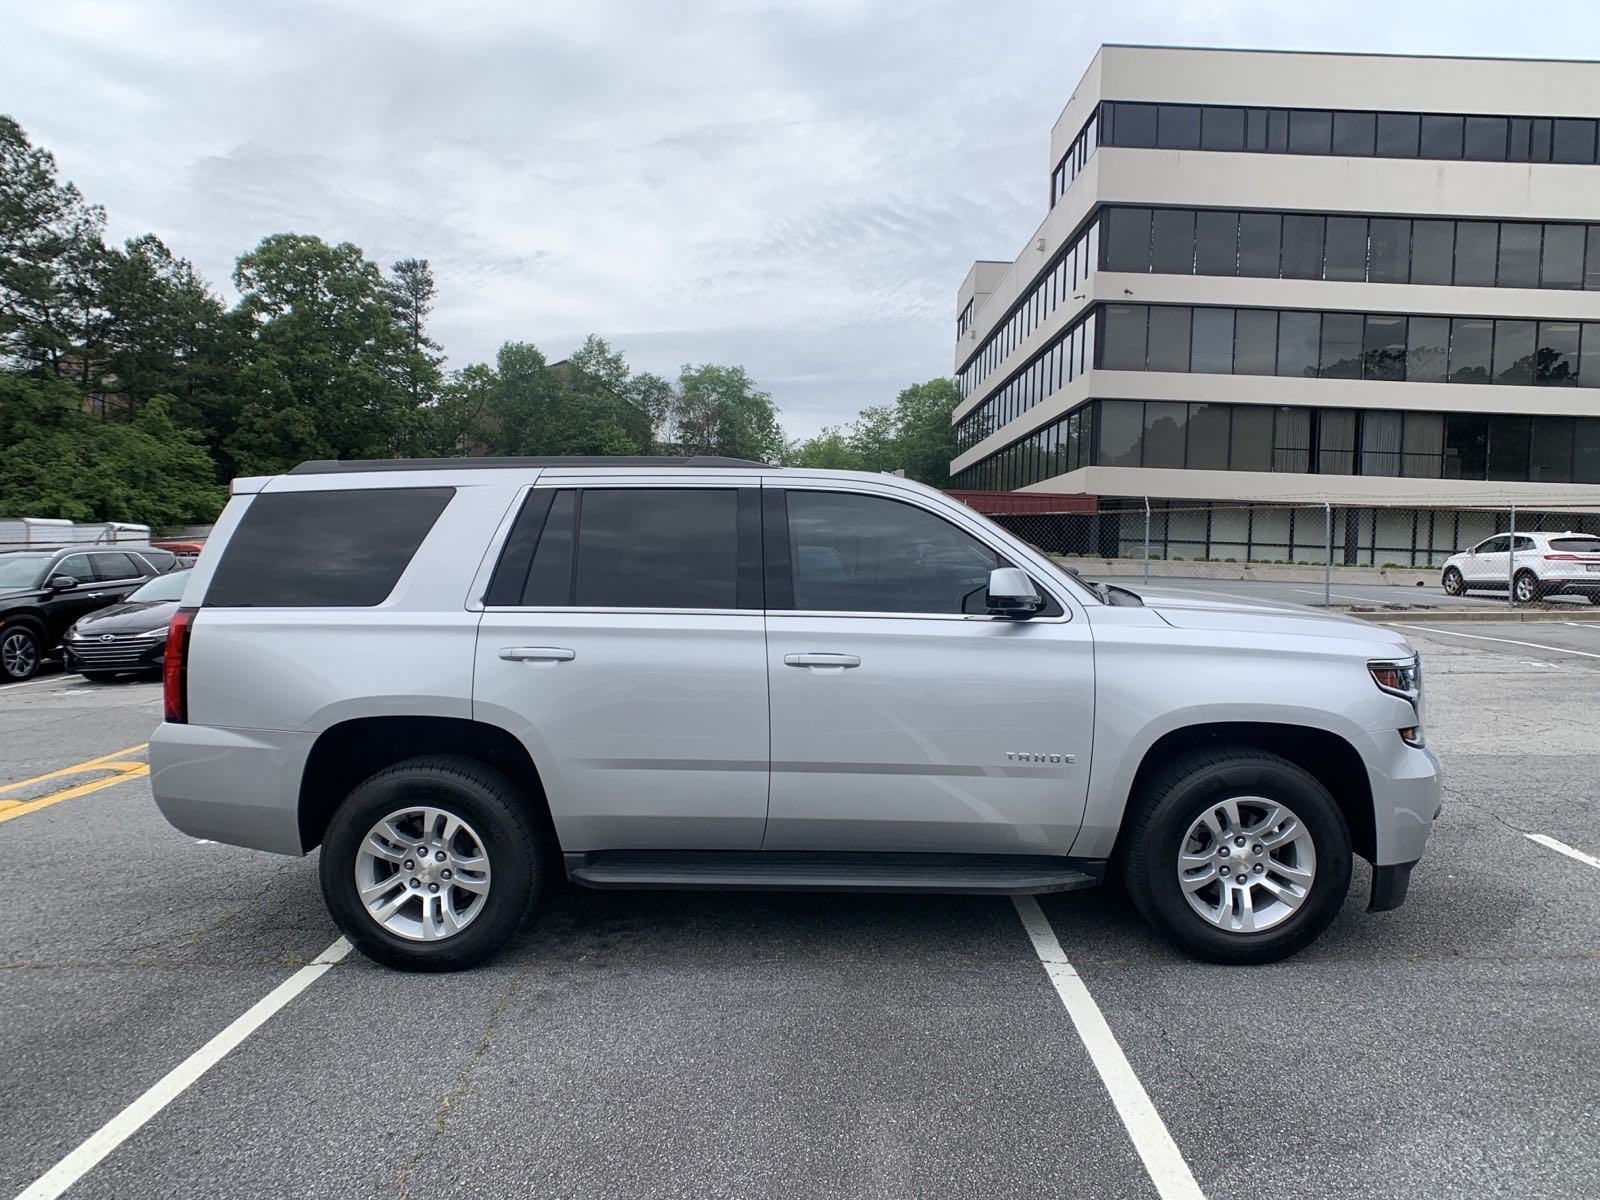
(1582, 624)
(1162, 1158)
(1562, 848)
(1478, 637)
(173, 1084)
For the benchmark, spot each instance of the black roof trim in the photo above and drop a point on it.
(336, 466)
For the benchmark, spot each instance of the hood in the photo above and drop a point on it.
(128, 617)
(1200, 610)
(18, 593)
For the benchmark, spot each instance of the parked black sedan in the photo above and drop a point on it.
(127, 637)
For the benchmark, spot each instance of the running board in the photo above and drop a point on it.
(800, 871)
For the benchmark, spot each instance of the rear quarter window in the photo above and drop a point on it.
(333, 549)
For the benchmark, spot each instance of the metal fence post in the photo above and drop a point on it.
(1327, 555)
(1147, 539)
(1511, 561)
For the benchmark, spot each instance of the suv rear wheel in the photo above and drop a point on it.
(1238, 856)
(1526, 588)
(432, 864)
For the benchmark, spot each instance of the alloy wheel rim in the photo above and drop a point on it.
(17, 655)
(422, 873)
(1246, 864)
(1452, 582)
(1524, 588)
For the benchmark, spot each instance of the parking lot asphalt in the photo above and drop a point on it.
(698, 1044)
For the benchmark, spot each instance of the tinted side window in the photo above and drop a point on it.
(852, 553)
(334, 549)
(109, 567)
(657, 548)
(77, 566)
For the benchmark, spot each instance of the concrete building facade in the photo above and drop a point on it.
(1372, 281)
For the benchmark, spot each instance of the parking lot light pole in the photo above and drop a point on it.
(1327, 555)
(1147, 539)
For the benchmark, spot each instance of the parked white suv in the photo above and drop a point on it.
(1547, 564)
(459, 677)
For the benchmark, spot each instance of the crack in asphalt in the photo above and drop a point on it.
(463, 1085)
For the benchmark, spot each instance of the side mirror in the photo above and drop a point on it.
(61, 583)
(1011, 594)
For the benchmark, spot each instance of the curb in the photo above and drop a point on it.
(1445, 616)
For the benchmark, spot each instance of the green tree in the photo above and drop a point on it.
(327, 360)
(411, 292)
(51, 246)
(832, 449)
(925, 437)
(719, 410)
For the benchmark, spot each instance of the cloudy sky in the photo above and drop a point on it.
(796, 187)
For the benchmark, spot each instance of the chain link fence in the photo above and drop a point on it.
(1396, 543)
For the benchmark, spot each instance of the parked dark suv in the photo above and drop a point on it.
(43, 591)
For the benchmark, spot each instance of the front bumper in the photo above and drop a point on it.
(1406, 801)
(119, 654)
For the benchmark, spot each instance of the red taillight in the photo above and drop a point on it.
(1562, 558)
(175, 668)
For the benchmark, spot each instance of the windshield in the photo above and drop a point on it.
(163, 587)
(22, 570)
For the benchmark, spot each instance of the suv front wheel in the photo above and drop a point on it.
(1238, 856)
(431, 864)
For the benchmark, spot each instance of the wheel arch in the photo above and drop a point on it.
(347, 753)
(1326, 756)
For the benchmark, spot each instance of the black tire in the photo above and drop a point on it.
(1454, 583)
(1594, 597)
(21, 653)
(1525, 588)
(491, 804)
(1177, 796)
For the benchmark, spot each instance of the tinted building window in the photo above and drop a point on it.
(1255, 341)
(1556, 361)
(1550, 450)
(1222, 129)
(1125, 329)
(1519, 255)
(1120, 429)
(1255, 135)
(1433, 250)
(657, 548)
(1127, 239)
(1353, 133)
(1591, 261)
(1573, 141)
(335, 549)
(1513, 351)
(1208, 437)
(1291, 439)
(1212, 338)
(1164, 432)
(1509, 442)
(1441, 136)
(1336, 441)
(1466, 446)
(1302, 246)
(1589, 356)
(1381, 434)
(1423, 457)
(1476, 250)
(1178, 126)
(1427, 349)
(1518, 146)
(1299, 339)
(1389, 250)
(1471, 345)
(1250, 442)
(1135, 125)
(1172, 241)
(865, 554)
(1347, 248)
(1341, 345)
(1397, 135)
(1259, 237)
(1310, 131)
(1586, 450)
(1486, 138)
(1216, 243)
(1169, 338)
(1384, 348)
(1561, 258)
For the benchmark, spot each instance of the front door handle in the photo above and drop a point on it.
(837, 661)
(537, 654)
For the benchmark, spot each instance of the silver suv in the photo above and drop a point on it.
(461, 678)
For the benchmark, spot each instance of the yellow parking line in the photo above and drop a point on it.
(124, 771)
(104, 762)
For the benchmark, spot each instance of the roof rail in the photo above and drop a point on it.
(337, 466)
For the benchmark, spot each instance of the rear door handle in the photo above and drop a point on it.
(537, 654)
(836, 661)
